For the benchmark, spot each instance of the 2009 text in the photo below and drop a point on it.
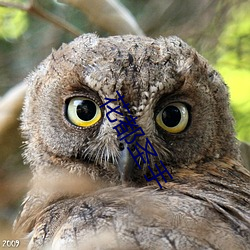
(11, 243)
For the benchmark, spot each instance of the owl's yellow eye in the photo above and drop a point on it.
(83, 112)
(173, 118)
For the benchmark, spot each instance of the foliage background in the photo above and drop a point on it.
(219, 30)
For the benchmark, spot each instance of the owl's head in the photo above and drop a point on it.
(176, 100)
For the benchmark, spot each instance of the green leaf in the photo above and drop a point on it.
(13, 23)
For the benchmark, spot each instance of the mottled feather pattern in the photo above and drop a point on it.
(78, 199)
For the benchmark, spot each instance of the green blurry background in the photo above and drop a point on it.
(233, 62)
(218, 29)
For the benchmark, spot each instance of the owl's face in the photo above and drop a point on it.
(178, 100)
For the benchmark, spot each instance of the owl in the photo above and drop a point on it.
(131, 145)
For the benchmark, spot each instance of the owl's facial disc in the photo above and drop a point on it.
(84, 113)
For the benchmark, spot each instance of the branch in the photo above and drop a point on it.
(10, 108)
(36, 10)
(110, 15)
(14, 5)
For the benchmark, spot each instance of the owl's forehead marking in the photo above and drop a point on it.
(138, 68)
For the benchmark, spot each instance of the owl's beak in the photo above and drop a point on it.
(126, 163)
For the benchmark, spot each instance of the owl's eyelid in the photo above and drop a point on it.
(174, 97)
(74, 127)
(161, 104)
(83, 95)
(174, 102)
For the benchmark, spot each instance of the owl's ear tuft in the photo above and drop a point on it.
(193, 68)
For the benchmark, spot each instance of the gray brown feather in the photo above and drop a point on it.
(77, 199)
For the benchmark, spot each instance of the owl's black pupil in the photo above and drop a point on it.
(86, 110)
(171, 116)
